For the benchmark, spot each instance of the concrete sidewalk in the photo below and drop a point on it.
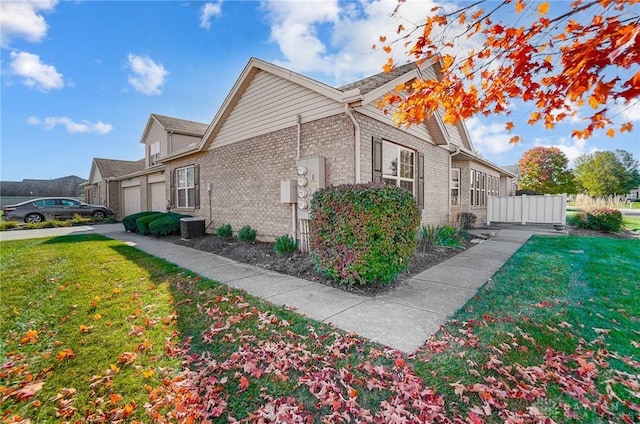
(402, 319)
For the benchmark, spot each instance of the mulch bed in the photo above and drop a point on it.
(301, 265)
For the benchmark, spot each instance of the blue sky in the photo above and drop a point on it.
(80, 78)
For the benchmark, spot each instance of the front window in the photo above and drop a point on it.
(455, 187)
(398, 165)
(154, 153)
(186, 187)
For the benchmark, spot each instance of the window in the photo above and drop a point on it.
(154, 152)
(472, 186)
(481, 187)
(455, 186)
(398, 165)
(186, 187)
(483, 191)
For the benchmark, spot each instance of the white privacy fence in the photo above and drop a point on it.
(528, 209)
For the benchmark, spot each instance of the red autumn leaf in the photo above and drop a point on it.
(29, 390)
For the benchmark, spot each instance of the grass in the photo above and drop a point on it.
(631, 222)
(150, 342)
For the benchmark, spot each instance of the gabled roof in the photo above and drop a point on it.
(369, 84)
(177, 125)
(181, 125)
(113, 168)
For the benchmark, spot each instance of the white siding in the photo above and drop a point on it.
(271, 103)
(180, 141)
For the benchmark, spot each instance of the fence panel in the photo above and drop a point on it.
(527, 209)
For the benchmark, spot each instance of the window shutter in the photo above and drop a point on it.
(196, 186)
(421, 181)
(377, 160)
(172, 189)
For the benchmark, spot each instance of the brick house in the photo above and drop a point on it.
(103, 187)
(279, 136)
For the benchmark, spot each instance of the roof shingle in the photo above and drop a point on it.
(181, 125)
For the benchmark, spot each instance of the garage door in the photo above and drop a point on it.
(158, 197)
(131, 200)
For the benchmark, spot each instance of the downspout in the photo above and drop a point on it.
(356, 141)
(294, 206)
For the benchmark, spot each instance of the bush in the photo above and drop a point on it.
(604, 219)
(167, 224)
(285, 245)
(466, 220)
(8, 225)
(143, 222)
(224, 231)
(129, 221)
(364, 233)
(247, 234)
(577, 220)
(80, 220)
(430, 237)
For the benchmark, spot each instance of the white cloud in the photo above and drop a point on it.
(348, 29)
(72, 127)
(571, 147)
(209, 10)
(489, 137)
(148, 76)
(35, 73)
(23, 19)
(627, 112)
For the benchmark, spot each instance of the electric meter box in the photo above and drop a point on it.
(288, 191)
(310, 178)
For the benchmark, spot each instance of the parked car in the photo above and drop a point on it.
(38, 210)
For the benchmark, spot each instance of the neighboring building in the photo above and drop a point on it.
(12, 192)
(515, 170)
(103, 187)
(277, 126)
(128, 187)
(634, 194)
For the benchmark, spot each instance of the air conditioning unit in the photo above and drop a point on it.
(191, 228)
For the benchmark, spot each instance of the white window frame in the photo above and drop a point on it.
(398, 179)
(154, 152)
(455, 186)
(182, 185)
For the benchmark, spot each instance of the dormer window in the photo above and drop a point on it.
(154, 153)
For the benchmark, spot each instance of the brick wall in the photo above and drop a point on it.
(465, 185)
(436, 173)
(245, 176)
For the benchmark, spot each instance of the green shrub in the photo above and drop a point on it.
(143, 222)
(8, 225)
(466, 220)
(433, 236)
(167, 224)
(364, 233)
(224, 231)
(79, 220)
(247, 234)
(577, 220)
(129, 221)
(604, 219)
(285, 245)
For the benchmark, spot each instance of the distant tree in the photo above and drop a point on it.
(607, 173)
(546, 170)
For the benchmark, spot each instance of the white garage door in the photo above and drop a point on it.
(158, 197)
(131, 200)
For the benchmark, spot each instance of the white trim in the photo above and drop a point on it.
(186, 188)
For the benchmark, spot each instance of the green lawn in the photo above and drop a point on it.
(92, 329)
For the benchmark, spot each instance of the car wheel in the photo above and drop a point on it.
(33, 217)
(98, 215)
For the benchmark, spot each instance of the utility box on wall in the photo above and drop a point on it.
(310, 173)
(288, 191)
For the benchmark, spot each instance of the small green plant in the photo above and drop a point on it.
(432, 236)
(224, 231)
(285, 245)
(8, 225)
(466, 220)
(247, 234)
(604, 219)
(363, 234)
(80, 220)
